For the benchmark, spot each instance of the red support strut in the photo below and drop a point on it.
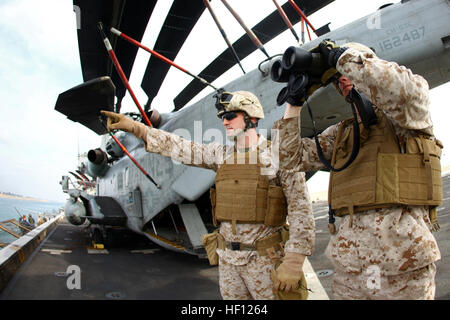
(122, 74)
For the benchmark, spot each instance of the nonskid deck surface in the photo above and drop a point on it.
(136, 270)
(139, 269)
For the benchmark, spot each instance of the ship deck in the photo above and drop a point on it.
(140, 270)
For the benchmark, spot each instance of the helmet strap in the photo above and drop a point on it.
(248, 123)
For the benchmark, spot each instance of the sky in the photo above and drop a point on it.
(39, 59)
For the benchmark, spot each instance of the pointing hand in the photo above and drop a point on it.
(117, 121)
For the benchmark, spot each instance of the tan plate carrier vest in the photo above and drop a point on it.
(244, 195)
(382, 176)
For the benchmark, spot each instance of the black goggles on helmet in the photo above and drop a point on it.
(229, 115)
(222, 100)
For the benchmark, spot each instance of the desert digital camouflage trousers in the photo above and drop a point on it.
(413, 285)
(248, 281)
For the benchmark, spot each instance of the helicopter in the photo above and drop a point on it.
(166, 201)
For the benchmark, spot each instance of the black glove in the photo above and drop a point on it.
(299, 100)
(301, 87)
(295, 101)
(330, 52)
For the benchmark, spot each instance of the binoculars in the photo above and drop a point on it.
(300, 69)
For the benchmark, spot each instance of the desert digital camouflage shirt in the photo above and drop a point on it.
(212, 156)
(396, 239)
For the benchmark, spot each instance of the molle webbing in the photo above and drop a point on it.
(381, 176)
(243, 195)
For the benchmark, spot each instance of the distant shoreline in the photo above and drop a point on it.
(9, 196)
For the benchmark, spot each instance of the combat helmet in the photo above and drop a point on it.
(244, 101)
(360, 47)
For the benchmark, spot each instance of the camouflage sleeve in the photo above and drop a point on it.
(300, 154)
(402, 95)
(300, 215)
(167, 144)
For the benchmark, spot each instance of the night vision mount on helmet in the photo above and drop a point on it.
(243, 101)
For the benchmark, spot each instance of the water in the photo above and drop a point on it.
(25, 207)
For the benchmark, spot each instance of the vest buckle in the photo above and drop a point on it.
(235, 246)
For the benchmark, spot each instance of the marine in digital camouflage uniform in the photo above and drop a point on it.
(384, 253)
(243, 274)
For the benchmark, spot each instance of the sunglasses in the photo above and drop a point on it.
(229, 115)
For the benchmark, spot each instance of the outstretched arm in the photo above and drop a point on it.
(169, 145)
